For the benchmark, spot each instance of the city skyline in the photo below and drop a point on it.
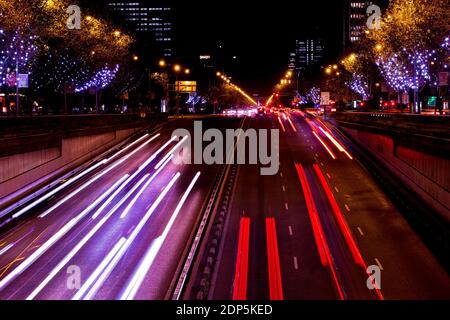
(225, 159)
(255, 36)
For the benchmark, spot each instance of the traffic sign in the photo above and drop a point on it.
(186, 86)
(22, 80)
(324, 98)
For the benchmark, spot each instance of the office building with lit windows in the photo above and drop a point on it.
(153, 20)
(357, 19)
(308, 53)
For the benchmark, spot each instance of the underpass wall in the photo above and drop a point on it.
(25, 170)
(426, 175)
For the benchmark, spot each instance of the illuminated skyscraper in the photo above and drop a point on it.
(309, 53)
(356, 18)
(149, 19)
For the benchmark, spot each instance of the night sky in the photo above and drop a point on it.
(260, 33)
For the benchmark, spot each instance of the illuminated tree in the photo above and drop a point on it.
(406, 44)
(313, 95)
(359, 67)
(37, 32)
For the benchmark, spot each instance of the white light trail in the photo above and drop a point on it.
(97, 177)
(281, 124)
(139, 276)
(5, 249)
(132, 203)
(324, 145)
(292, 125)
(337, 144)
(141, 225)
(99, 269)
(171, 151)
(111, 198)
(80, 245)
(77, 248)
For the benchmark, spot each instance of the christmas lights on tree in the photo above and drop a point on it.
(394, 72)
(59, 70)
(16, 52)
(359, 84)
(314, 95)
(100, 80)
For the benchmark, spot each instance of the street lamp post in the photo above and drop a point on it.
(177, 69)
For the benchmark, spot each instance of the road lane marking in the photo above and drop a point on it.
(379, 264)
(281, 174)
(319, 234)
(273, 256)
(95, 178)
(283, 188)
(337, 190)
(291, 232)
(241, 271)
(295, 263)
(147, 261)
(145, 219)
(328, 175)
(360, 231)
(347, 207)
(286, 206)
(339, 217)
(343, 224)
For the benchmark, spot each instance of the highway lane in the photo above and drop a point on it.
(361, 227)
(271, 220)
(107, 246)
(409, 270)
(261, 197)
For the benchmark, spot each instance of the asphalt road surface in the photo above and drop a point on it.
(326, 238)
(119, 230)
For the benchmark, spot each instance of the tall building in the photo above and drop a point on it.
(355, 20)
(308, 53)
(153, 20)
(292, 66)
